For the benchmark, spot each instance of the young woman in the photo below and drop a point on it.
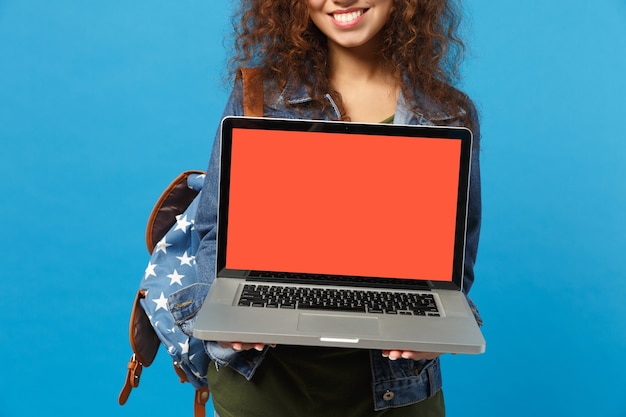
(390, 61)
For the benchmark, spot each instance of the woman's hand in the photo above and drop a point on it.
(239, 347)
(409, 354)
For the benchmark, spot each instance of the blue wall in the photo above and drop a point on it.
(103, 103)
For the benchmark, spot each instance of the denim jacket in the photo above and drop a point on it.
(395, 383)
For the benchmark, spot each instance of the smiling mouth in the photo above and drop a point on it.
(348, 17)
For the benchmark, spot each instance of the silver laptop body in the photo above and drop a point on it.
(341, 234)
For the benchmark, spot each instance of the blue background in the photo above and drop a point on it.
(102, 103)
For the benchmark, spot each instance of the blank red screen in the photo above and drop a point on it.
(355, 204)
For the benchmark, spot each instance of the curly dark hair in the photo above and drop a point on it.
(421, 43)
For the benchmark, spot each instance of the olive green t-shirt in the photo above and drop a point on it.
(389, 120)
(297, 381)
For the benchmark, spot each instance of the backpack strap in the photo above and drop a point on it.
(173, 201)
(252, 91)
(200, 400)
(145, 344)
(201, 396)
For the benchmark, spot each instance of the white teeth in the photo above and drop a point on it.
(347, 17)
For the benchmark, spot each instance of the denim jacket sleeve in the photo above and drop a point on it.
(474, 214)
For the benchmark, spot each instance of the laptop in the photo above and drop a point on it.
(341, 234)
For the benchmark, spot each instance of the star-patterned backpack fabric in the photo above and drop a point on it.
(172, 243)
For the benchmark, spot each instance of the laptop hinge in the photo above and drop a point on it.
(341, 281)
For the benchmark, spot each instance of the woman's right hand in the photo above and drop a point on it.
(239, 347)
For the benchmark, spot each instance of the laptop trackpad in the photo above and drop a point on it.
(337, 325)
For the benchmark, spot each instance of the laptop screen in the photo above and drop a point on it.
(342, 203)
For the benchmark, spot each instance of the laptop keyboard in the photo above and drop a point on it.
(313, 298)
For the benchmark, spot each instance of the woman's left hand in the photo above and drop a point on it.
(409, 354)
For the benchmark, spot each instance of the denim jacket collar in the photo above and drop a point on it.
(295, 94)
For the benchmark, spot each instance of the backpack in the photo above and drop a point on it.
(172, 245)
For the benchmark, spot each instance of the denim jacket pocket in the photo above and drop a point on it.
(184, 304)
(245, 363)
(404, 381)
